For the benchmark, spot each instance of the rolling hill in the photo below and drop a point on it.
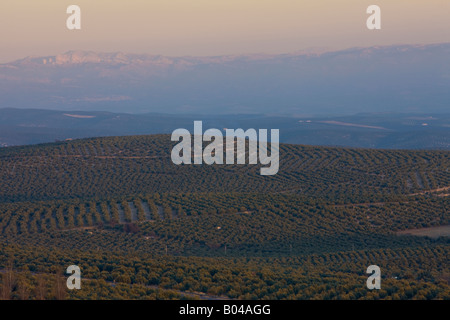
(122, 211)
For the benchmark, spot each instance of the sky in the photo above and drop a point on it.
(215, 27)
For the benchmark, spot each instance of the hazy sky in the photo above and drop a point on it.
(215, 27)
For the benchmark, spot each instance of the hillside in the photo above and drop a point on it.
(113, 166)
(120, 209)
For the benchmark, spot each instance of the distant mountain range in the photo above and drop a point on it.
(406, 79)
(368, 130)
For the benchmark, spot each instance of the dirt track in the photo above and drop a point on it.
(432, 232)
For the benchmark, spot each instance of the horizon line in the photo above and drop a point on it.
(311, 50)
